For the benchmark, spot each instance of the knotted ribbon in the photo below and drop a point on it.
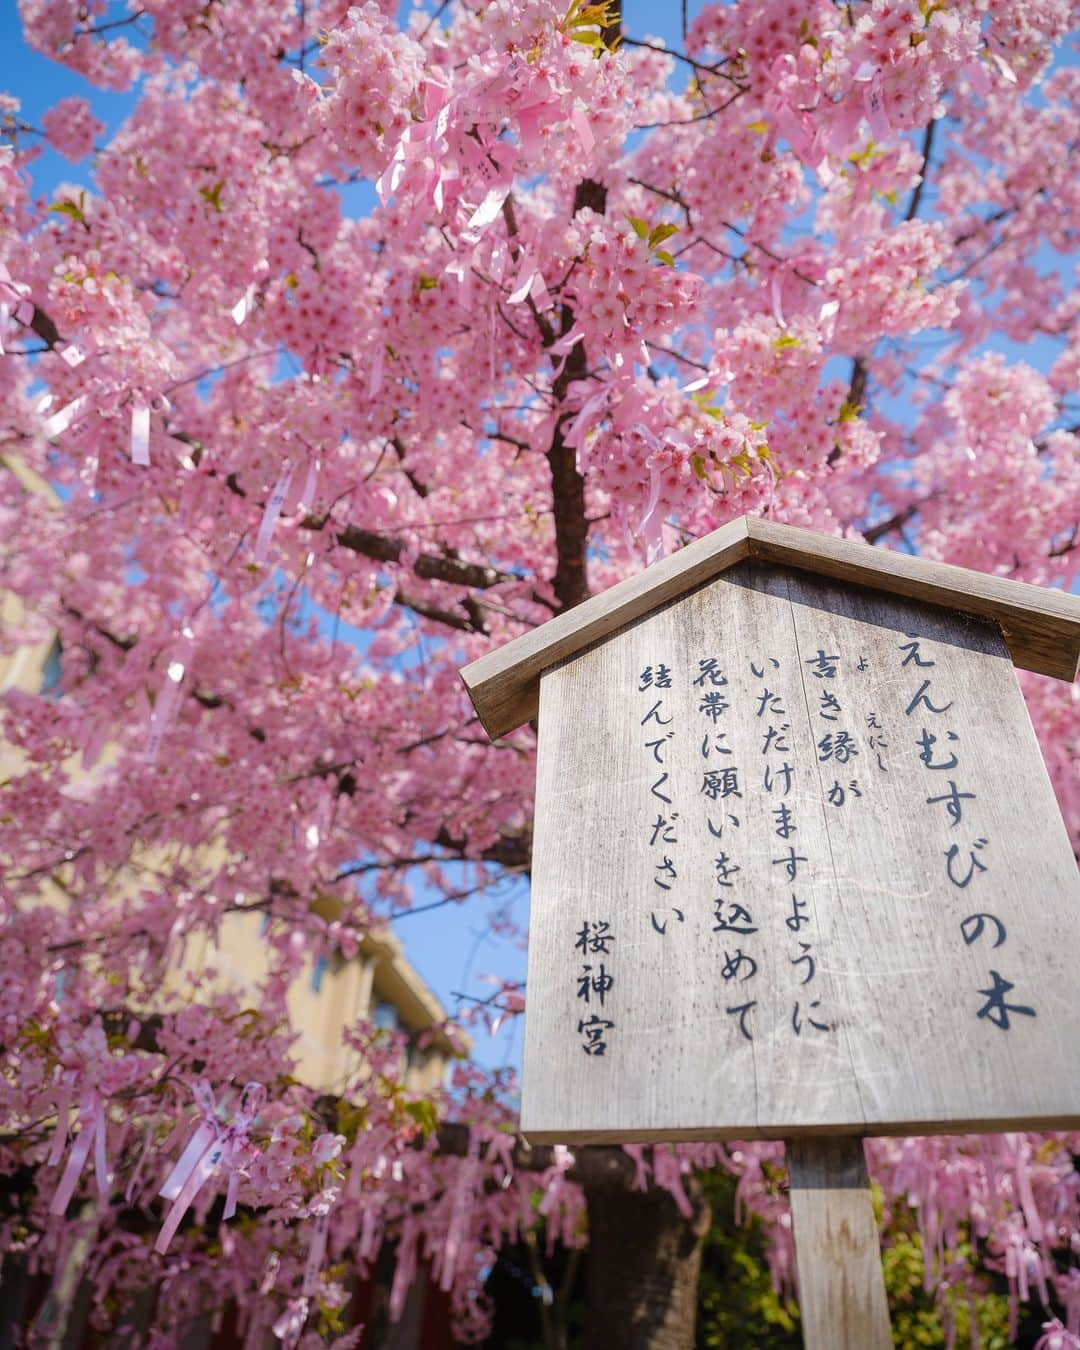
(211, 1146)
(91, 1135)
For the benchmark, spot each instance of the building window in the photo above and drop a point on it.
(386, 1016)
(50, 671)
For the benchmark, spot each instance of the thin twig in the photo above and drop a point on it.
(689, 121)
(681, 56)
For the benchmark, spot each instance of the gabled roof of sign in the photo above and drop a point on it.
(1041, 626)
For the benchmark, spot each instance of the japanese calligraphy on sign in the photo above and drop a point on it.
(798, 868)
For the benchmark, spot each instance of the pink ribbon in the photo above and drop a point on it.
(317, 1249)
(311, 483)
(140, 434)
(485, 214)
(291, 1322)
(376, 376)
(873, 100)
(776, 292)
(652, 520)
(580, 123)
(523, 284)
(63, 1118)
(243, 306)
(528, 120)
(273, 510)
(167, 700)
(91, 1135)
(586, 417)
(14, 302)
(59, 422)
(209, 1148)
(461, 1206)
(529, 281)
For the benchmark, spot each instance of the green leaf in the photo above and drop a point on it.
(424, 1114)
(427, 283)
(662, 255)
(659, 233)
(706, 405)
(641, 227)
(212, 196)
(784, 341)
(860, 158)
(73, 209)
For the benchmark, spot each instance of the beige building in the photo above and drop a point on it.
(378, 984)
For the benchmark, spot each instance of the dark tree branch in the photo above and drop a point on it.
(671, 196)
(571, 583)
(916, 196)
(429, 566)
(857, 388)
(509, 850)
(44, 327)
(893, 524)
(463, 623)
(716, 69)
(688, 121)
(92, 30)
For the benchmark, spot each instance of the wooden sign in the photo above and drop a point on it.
(798, 867)
(798, 870)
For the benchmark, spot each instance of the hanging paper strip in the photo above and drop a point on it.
(580, 124)
(316, 1251)
(140, 434)
(91, 1135)
(652, 520)
(59, 422)
(271, 513)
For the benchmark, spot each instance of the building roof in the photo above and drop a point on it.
(1041, 626)
(397, 981)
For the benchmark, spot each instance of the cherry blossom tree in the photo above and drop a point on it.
(811, 265)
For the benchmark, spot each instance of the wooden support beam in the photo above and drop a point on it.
(837, 1251)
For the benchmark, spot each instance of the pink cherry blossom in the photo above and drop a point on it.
(274, 470)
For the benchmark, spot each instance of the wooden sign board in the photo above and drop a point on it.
(798, 869)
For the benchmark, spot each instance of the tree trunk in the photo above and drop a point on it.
(644, 1259)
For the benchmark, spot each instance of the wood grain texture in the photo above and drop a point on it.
(1041, 625)
(842, 1301)
(504, 685)
(899, 958)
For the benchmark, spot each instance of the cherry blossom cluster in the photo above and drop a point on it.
(271, 471)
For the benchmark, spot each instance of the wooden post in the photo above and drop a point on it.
(841, 1285)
